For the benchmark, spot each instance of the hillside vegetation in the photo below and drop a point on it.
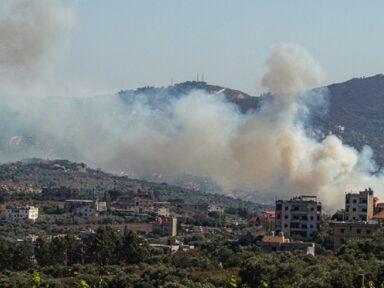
(38, 174)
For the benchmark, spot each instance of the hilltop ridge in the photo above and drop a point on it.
(355, 112)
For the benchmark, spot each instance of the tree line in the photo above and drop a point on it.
(105, 247)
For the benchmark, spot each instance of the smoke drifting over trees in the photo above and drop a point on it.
(266, 150)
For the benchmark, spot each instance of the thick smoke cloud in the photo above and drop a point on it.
(291, 69)
(268, 150)
(31, 34)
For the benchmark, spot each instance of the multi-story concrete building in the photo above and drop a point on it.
(343, 231)
(298, 216)
(359, 206)
(85, 208)
(25, 213)
(137, 201)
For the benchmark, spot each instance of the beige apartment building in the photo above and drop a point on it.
(298, 216)
(343, 231)
(359, 206)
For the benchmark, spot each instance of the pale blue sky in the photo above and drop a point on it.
(123, 44)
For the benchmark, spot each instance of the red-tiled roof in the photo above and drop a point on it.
(265, 219)
(268, 213)
(379, 215)
(380, 205)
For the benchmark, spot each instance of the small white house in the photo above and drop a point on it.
(216, 208)
(101, 206)
(27, 212)
(163, 212)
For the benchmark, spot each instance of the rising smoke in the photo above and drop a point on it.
(267, 150)
(32, 35)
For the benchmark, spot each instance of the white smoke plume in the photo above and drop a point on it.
(31, 36)
(267, 150)
(291, 69)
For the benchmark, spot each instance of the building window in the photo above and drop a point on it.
(311, 218)
(358, 231)
(364, 209)
(312, 209)
(354, 201)
(354, 209)
(369, 232)
(278, 217)
(286, 207)
(286, 225)
(286, 217)
(342, 231)
(311, 226)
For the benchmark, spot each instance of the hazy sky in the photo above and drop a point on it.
(124, 44)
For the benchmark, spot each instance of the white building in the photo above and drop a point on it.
(216, 208)
(101, 206)
(163, 212)
(25, 213)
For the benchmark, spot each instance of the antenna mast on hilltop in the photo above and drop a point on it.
(197, 77)
(202, 77)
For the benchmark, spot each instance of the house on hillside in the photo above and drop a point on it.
(162, 208)
(137, 202)
(85, 208)
(216, 208)
(13, 213)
